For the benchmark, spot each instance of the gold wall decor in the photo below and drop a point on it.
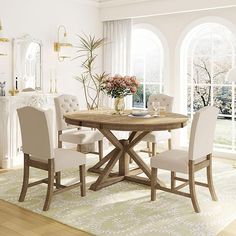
(3, 40)
(62, 46)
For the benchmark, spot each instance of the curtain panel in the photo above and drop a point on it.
(117, 52)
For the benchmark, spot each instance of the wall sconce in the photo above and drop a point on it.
(3, 40)
(62, 47)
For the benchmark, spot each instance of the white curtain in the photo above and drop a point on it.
(117, 52)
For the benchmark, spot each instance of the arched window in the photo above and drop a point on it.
(210, 54)
(147, 65)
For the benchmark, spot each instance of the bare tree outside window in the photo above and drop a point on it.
(222, 96)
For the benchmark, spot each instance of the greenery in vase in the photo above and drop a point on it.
(119, 86)
(90, 80)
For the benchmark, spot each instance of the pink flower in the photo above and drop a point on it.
(133, 89)
(120, 85)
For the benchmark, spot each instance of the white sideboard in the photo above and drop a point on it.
(10, 137)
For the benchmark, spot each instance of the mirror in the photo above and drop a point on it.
(27, 64)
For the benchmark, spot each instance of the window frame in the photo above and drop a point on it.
(190, 85)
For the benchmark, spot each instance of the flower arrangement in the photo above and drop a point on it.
(119, 86)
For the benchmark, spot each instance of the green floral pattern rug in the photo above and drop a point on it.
(125, 208)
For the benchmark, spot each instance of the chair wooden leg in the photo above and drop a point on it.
(82, 180)
(59, 143)
(154, 149)
(25, 178)
(210, 179)
(51, 171)
(130, 160)
(100, 149)
(58, 179)
(192, 187)
(149, 149)
(79, 148)
(169, 144)
(153, 184)
(173, 181)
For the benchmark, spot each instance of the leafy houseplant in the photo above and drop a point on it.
(90, 80)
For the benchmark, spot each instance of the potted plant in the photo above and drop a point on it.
(90, 80)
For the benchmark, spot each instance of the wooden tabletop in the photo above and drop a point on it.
(105, 119)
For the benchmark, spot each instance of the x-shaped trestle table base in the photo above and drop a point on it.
(122, 152)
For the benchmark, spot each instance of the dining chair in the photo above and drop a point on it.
(156, 136)
(198, 156)
(37, 142)
(70, 134)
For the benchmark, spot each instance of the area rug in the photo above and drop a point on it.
(125, 208)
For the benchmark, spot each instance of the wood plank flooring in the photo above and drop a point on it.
(16, 221)
(230, 230)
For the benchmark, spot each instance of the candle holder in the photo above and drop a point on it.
(13, 92)
(2, 89)
(51, 85)
(55, 86)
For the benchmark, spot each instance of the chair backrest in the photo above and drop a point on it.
(202, 132)
(165, 101)
(36, 132)
(65, 104)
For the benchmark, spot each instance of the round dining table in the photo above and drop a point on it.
(106, 121)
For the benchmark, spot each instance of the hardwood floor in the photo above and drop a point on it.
(16, 221)
(230, 230)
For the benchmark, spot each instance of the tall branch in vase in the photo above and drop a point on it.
(90, 80)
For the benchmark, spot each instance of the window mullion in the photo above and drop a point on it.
(233, 107)
(144, 83)
(192, 85)
(212, 69)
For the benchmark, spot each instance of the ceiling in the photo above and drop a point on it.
(107, 3)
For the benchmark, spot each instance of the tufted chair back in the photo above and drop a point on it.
(65, 104)
(165, 101)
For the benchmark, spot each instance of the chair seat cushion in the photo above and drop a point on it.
(66, 159)
(173, 160)
(81, 136)
(156, 136)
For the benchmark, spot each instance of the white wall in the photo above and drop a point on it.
(40, 19)
(172, 20)
(173, 29)
(132, 8)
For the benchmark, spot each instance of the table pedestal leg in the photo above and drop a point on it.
(104, 180)
(123, 152)
(124, 159)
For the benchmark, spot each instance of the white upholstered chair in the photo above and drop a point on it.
(198, 156)
(36, 132)
(157, 136)
(66, 133)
